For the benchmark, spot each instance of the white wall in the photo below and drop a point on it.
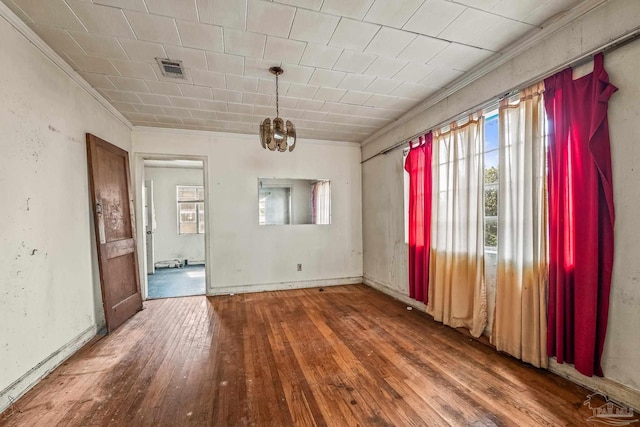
(49, 289)
(385, 253)
(246, 256)
(168, 244)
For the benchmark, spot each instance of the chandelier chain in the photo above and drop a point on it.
(277, 106)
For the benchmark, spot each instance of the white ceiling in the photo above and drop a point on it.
(351, 66)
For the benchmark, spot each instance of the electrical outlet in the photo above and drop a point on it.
(299, 267)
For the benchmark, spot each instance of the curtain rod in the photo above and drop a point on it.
(607, 48)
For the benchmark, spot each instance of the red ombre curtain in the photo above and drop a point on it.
(418, 165)
(581, 216)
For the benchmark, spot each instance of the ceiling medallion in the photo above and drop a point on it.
(277, 136)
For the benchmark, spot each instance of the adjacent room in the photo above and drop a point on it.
(319, 212)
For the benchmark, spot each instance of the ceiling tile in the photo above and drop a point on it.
(227, 95)
(177, 112)
(502, 34)
(516, 9)
(326, 78)
(226, 13)
(194, 121)
(128, 84)
(142, 51)
(305, 4)
(283, 50)
(481, 4)
(414, 91)
(139, 117)
(153, 28)
(58, 39)
(422, 49)
(356, 82)
(351, 8)
(296, 74)
(213, 105)
(200, 36)
(440, 77)
(124, 4)
(241, 83)
(385, 67)
(329, 94)
(93, 64)
(97, 45)
(357, 98)
(98, 81)
(313, 26)
(259, 68)
(224, 63)
(383, 86)
(269, 18)
(153, 99)
(390, 42)
(240, 108)
(310, 104)
(256, 99)
(285, 101)
(137, 70)
(103, 20)
(19, 13)
(148, 109)
(352, 34)
(414, 73)
(433, 17)
(191, 58)
(261, 110)
(168, 119)
(354, 62)
(119, 96)
(163, 88)
(56, 14)
(199, 92)
(469, 25)
(316, 55)
(207, 78)
(393, 13)
(302, 91)
(181, 102)
(244, 43)
(178, 9)
(200, 114)
(460, 57)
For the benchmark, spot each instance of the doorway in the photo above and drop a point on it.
(174, 217)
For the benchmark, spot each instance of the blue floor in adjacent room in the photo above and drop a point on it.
(177, 282)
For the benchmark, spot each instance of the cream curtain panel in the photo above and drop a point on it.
(520, 324)
(457, 292)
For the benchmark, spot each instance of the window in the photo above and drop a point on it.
(491, 171)
(191, 216)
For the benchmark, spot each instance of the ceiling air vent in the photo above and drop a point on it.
(171, 68)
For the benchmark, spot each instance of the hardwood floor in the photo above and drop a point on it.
(345, 356)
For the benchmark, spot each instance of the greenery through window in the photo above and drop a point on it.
(191, 217)
(491, 171)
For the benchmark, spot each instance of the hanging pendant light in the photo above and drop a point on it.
(277, 135)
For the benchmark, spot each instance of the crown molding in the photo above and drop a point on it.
(231, 135)
(13, 20)
(490, 64)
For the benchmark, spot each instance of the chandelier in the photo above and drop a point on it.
(277, 135)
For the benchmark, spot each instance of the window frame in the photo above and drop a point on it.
(490, 115)
(200, 220)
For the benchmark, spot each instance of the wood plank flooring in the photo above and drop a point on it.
(344, 356)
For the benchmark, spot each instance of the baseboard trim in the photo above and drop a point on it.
(27, 381)
(394, 293)
(281, 286)
(615, 391)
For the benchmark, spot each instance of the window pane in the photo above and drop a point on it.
(189, 193)
(201, 218)
(188, 228)
(491, 233)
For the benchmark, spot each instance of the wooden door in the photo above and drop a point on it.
(114, 221)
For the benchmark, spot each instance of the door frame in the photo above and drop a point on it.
(139, 178)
